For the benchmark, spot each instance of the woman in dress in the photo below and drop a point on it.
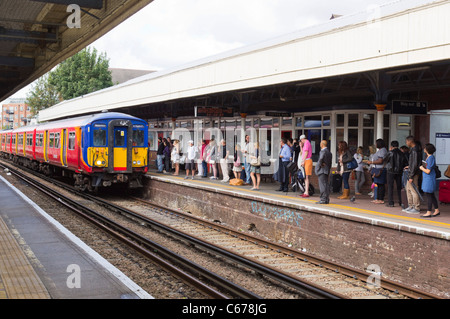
(175, 156)
(255, 169)
(237, 165)
(429, 181)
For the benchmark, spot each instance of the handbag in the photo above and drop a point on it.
(238, 162)
(438, 172)
(352, 164)
(256, 160)
(447, 172)
(376, 172)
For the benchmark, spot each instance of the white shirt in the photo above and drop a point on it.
(191, 152)
(248, 148)
(359, 159)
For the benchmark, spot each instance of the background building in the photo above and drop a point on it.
(15, 114)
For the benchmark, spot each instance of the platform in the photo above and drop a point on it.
(361, 209)
(406, 247)
(40, 259)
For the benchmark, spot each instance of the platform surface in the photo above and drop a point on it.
(40, 259)
(361, 209)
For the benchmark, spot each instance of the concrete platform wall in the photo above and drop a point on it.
(417, 260)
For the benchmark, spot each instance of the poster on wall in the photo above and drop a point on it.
(442, 148)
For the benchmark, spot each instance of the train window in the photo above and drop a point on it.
(119, 138)
(138, 138)
(39, 139)
(57, 140)
(71, 140)
(20, 139)
(51, 140)
(99, 138)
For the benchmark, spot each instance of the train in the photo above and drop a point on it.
(96, 150)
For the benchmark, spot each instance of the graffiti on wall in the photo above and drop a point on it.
(287, 215)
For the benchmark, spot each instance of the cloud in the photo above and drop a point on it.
(169, 33)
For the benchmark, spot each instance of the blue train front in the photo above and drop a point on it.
(114, 150)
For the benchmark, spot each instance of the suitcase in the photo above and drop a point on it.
(444, 192)
(336, 183)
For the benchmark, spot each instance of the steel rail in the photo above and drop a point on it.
(146, 247)
(354, 273)
(310, 289)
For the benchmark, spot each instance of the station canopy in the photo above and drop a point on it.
(35, 34)
(357, 60)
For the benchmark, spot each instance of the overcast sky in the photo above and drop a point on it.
(169, 33)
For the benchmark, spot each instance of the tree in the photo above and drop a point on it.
(42, 95)
(85, 72)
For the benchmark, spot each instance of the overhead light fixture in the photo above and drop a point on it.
(309, 83)
(421, 68)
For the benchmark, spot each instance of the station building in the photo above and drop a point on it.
(378, 74)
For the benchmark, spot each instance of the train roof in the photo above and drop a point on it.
(76, 121)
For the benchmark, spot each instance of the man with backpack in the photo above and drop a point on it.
(396, 163)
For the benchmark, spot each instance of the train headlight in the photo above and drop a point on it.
(99, 163)
(134, 162)
(139, 162)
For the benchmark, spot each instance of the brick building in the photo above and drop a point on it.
(15, 114)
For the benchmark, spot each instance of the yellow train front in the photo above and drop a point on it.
(114, 150)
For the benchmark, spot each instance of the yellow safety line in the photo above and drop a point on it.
(360, 210)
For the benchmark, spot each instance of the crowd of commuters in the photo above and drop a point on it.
(411, 168)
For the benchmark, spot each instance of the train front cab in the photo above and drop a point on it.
(116, 151)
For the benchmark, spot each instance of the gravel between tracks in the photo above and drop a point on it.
(151, 278)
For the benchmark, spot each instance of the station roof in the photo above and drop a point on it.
(399, 35)
(35, 37)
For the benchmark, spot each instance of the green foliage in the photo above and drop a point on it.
(85, 72)
(42, 95)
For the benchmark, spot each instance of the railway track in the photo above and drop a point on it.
(178, 266)
(336, 279)
(316, 278)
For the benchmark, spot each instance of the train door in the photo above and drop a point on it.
(46, 146)
(64, 147)
(120, 148)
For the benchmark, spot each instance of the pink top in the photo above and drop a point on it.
(306, 148)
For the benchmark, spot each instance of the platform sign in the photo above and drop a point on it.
(278, 114)
(410, 107)
(442, 148)
(212, 111)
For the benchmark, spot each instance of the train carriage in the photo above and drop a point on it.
(96, 150)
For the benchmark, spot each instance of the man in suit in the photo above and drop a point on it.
(323, 169)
